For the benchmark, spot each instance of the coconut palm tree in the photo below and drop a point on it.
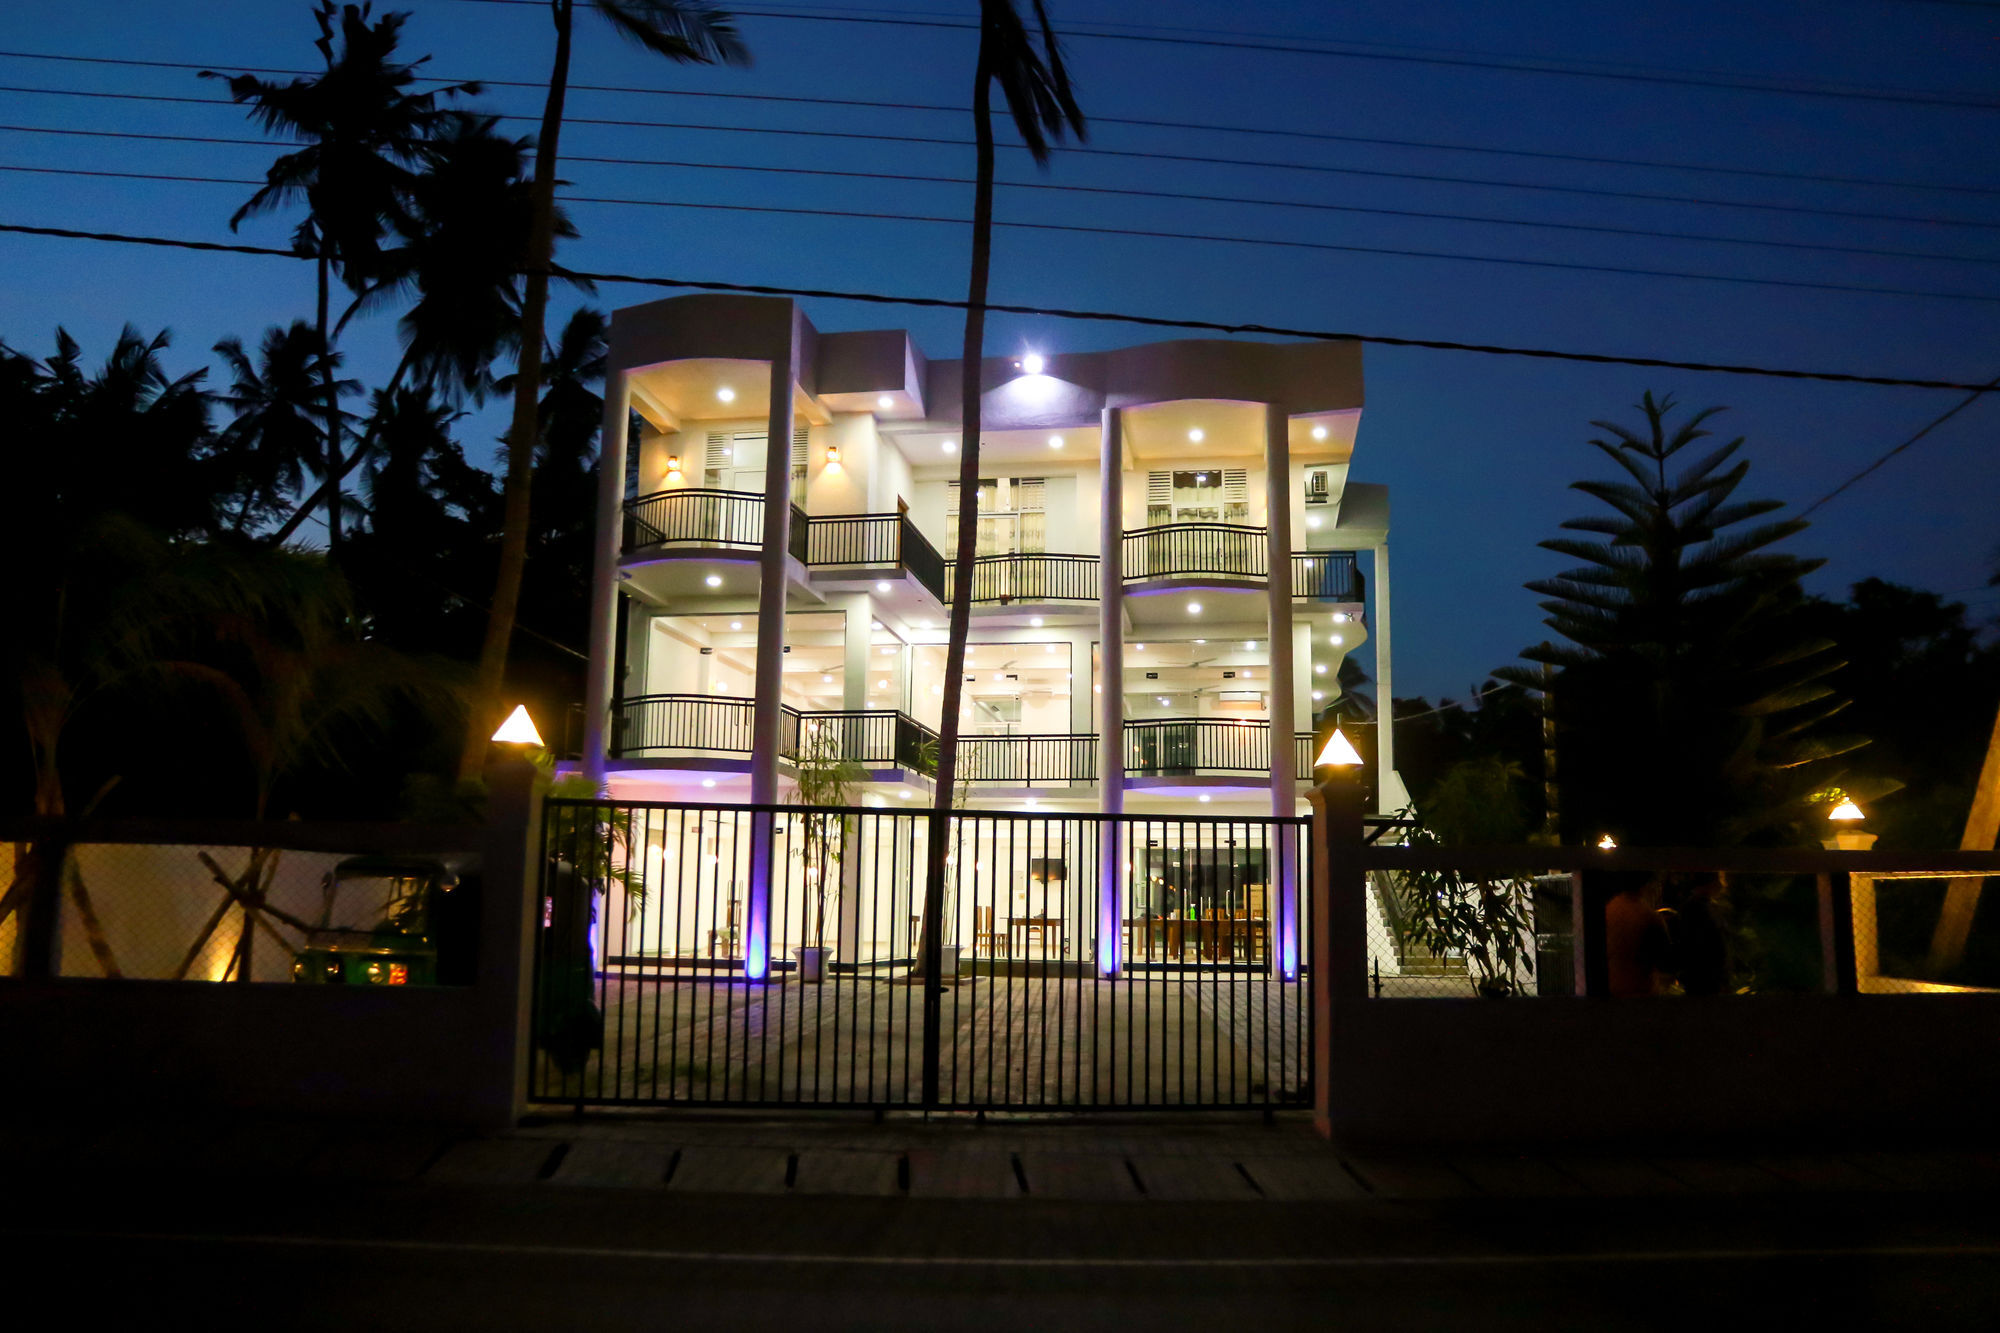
(683, 31)
(1032, 78)
(361, 129)
(279, 433)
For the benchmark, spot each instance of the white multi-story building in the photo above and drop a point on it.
(1170, 566)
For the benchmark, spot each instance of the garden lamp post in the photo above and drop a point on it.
(1848, 835)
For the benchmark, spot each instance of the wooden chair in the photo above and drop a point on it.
(994, 943)
(725, 936)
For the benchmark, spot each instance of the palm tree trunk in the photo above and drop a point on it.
(347, 465)
(968, 514)
(332, 413)
(522, 433)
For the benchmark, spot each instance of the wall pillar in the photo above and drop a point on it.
(1284, 768)
(599, 688)
(855, 646)
(1388, 792)
(1111, 703)
(767, 707)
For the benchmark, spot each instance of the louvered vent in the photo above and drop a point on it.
(1159, 488)
(720, 450)
(1235, 486)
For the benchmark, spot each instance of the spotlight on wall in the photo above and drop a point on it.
(1033, 363)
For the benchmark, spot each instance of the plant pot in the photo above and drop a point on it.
(812, 963)
(947, 961)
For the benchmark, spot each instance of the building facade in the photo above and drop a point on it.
(1172, 565)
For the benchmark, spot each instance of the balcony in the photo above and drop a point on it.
(700, 726)
(1186, 747)
(867, 545)
(1235, 554)
(698, 521)
(1029, 578)
(1028, 761)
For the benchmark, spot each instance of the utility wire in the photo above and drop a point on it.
(1928, 427)
(1647, 196)
(1046, 186)
(1318, 136)
(1520, 66)
(1094, 316)
(1074, 228)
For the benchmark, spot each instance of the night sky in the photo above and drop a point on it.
(1478, 450)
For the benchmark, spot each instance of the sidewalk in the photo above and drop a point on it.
(1135, 1161)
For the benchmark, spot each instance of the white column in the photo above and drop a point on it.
(1284, 775)
(766, 712)
(1081, 715)
(1111, 703)
(599, 688)
(1386, 792)
(1303, 681)
(860, 609)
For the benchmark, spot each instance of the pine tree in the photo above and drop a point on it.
(1690, 701)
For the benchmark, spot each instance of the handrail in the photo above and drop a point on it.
(1180, 746)
(1327, 576)
(1027, 761)
(1030, 576)
(875, 539)
(1167, 550)
(695, 516)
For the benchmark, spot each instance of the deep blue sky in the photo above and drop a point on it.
(1478, 450)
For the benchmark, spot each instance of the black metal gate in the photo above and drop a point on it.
(706, 955)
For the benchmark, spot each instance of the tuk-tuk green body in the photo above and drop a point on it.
(401, 948)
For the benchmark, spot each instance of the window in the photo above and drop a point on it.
(1213, 495)
(1013, 516)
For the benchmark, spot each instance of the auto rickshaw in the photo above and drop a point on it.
(422, 933)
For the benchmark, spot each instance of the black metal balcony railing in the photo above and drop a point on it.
(1326, 576)
(872, 737)
(1031, 577)
(652, 723)
(1222, 550)
(692, 517)
(876, 540)
(1027, 761)
(1183, 746)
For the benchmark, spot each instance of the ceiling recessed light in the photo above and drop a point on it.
(1335, 638)
(1203, 798)
(1194, 608)
(713, 580)
(881, 684)
(1312, 520)
(708, 782)
(1048, 648)
(882, 585)
(1036, 621)
(1319, 668)
(1163, 703)
(889, 651)
(1319, 432)
(1033, 363)
(1318, 695)
(736, 624)
(1249, 645)
(1097, 689)
(826, 680)
(1195, 436)
(1138, 647)
(1246, 675)
(904, 794)
(1055, 441)
(937, 689)
(885, 402)
(1201, 640)
(725, 394)
(949, 446)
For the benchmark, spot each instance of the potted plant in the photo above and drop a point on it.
(825, 777)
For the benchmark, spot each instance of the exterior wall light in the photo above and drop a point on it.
(1607, 843)
(1033, 363)
(673, 468)
(1338, 752)
(833, 455)
(519, 729)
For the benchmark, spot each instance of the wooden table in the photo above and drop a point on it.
(1044, 926)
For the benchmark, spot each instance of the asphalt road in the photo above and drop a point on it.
(337, 1254)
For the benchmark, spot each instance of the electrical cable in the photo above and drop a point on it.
(1928, 427)
(1333, 247)
(910, 177)
(1433, 178)
(1092, 316)
(1319, 136)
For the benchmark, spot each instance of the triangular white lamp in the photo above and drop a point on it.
(519, 729)
(1339, 752)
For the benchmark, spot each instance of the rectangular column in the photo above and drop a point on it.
(598, 686)
(1111, 703)
(854, 663)
(766, 711)
(1284, 774)
(1388, 794)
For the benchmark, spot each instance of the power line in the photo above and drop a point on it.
(1331, 247)
(1522, 65)
(1196, 159)
(1091, 316)
(1125, 192)
(1319, 136)
(1974, 396)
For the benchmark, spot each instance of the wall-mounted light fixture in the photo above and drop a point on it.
(833, 455)
(673, 467)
